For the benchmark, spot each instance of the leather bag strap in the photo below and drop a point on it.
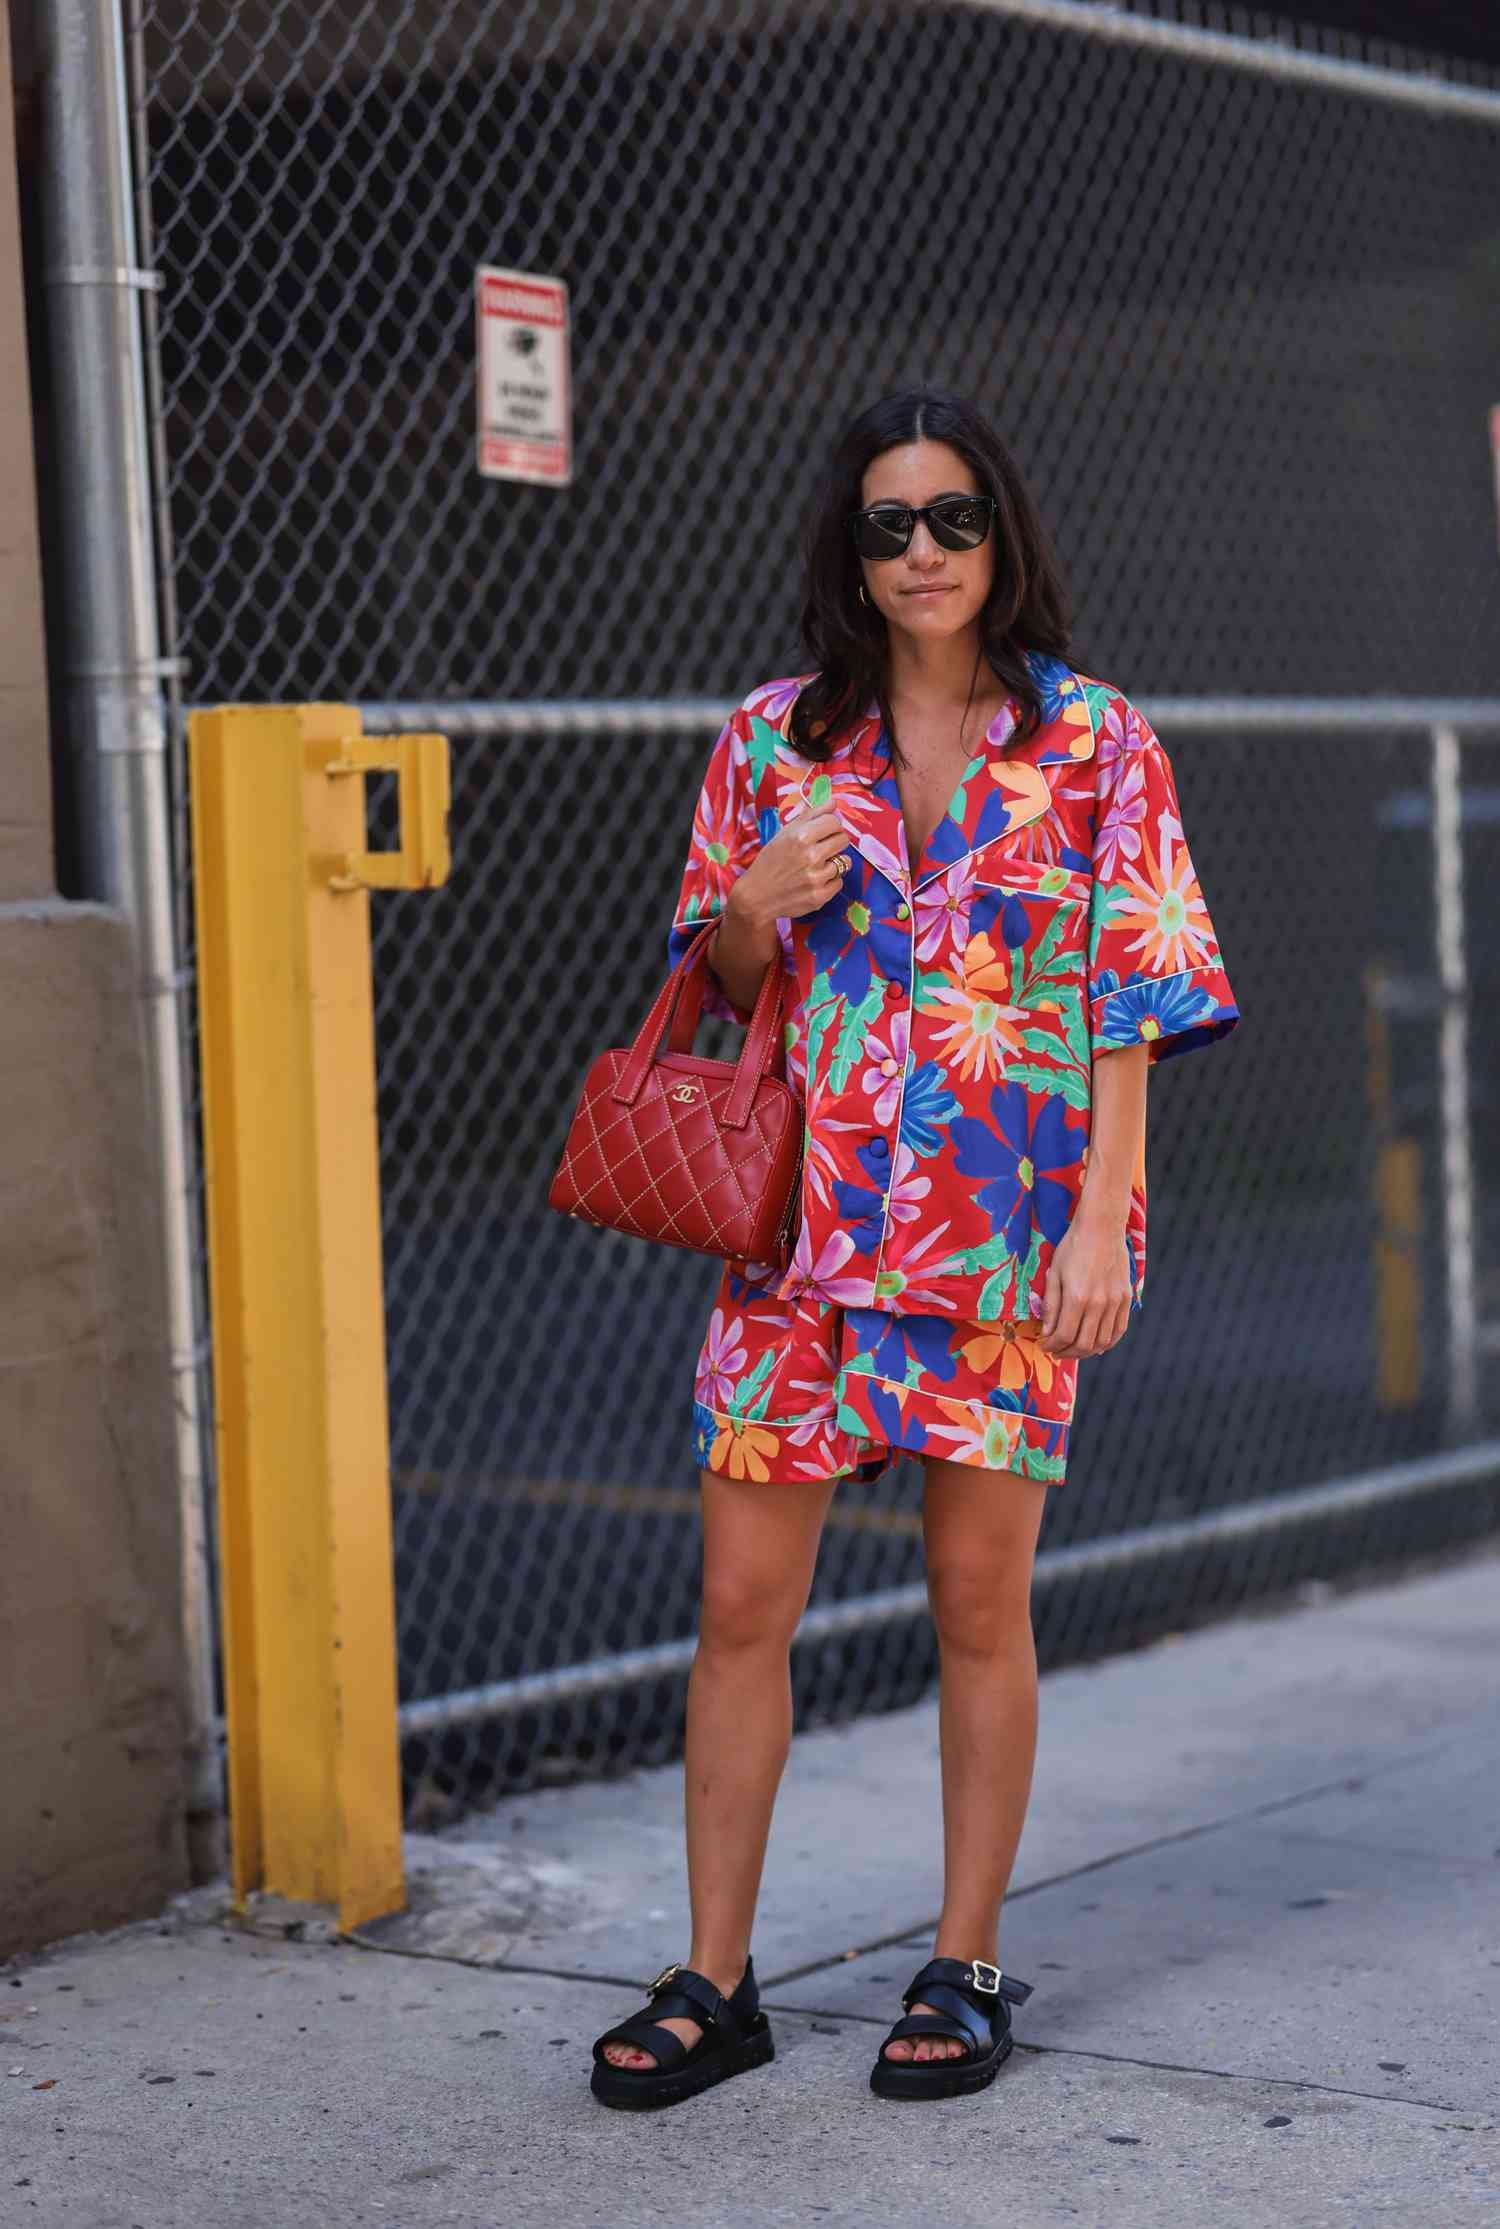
(648, 1037)
(762, 1053)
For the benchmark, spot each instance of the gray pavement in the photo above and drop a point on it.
(1258, 1893)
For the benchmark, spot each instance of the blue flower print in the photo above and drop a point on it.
(927, 1107)
(1146, 1007)
(1016, 1159)
(891, 1340)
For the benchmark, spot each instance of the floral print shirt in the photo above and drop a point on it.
(944, 1015)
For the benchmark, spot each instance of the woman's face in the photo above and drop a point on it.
(929, 591)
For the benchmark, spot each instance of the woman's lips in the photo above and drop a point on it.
(943, 591)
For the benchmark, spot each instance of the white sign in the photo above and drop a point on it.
(525, 404)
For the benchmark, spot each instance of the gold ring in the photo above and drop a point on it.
(843, 862)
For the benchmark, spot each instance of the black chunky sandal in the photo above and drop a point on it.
(971, 1996)
(736, 2035)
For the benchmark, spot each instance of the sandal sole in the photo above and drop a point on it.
(938, 2077)
(638, 2089)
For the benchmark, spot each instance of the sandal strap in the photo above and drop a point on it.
(682, 1993)
(982, 1983)
(960, 2014)
(645, 2034)
(929, 2024)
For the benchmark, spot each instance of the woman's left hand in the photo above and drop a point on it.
(1086, 1307)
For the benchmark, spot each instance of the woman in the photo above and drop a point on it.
(968, 859)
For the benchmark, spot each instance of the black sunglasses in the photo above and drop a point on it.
(957, 522)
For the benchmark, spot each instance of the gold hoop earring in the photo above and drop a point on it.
(864, 599)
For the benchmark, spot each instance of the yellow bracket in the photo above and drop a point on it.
(420, 763)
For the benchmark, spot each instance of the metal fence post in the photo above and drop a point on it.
(286, 1018)
(1453, 1070)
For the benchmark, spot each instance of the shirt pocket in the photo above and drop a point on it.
(1034, 914)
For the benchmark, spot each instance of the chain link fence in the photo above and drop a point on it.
(1240, 328)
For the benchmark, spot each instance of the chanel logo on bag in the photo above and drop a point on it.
(686, 1092)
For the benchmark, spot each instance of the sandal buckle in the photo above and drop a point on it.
(980, 1968)
(664, 1977)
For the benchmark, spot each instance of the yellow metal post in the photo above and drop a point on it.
(282, 880)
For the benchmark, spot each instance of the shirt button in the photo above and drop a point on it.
(903, 911)
(888, 1068)
(879, 1148)
(894, 989)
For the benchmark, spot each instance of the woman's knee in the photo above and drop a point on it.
(745, 1608)
(979, 1610)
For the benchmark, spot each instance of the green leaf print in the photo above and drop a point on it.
(848, 1417)
(1075, 1031)
(958, 809)
(994, 1292)
(825, 1006)
(852, 1034)
(743, 1401)
(1032, 1463)
(1028, 1272)
(762, 747)
(1096, 697)
(1104, 896)
(1049, 939)
(972, 1259)
(1064, 1082)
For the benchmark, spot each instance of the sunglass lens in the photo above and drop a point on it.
(883, 532)
(961, 524)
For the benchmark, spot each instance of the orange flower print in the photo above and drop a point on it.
(979, 1033)
(1165, 910)
(1017, 1349)
(741, 1449)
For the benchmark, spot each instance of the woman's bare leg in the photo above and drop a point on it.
(980, 1529)
(760, 1547)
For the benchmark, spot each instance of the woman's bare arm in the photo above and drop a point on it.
(1117, 1134)
(1086, 1306)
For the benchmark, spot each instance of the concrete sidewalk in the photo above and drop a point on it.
(1259, 1896)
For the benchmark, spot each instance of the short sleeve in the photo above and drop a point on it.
(724, 840)
(1156, 974)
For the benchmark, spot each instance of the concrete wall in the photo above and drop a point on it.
(92, 1714)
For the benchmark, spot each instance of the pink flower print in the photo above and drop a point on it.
(1118, 840)
(720, 1362)
(905, 1279)
(943, 908)
(775, 698)
(909, 1189)
(820, 1415)
(885, 1050)
(821, 1278)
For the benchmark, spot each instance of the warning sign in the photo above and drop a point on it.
(525, 407)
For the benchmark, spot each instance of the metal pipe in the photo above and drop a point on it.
(111, 712)
(1186, 42)
(1459, 1266)
(693, 716)
(1244, 1521)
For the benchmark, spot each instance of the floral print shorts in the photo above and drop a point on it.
(801, 1389)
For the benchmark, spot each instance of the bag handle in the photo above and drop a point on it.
(762, 1053)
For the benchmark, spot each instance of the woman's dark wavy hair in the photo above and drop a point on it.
(1028, 607)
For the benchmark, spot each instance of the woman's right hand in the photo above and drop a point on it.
(796, 872)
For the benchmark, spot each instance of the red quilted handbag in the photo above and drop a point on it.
(699, 1153)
